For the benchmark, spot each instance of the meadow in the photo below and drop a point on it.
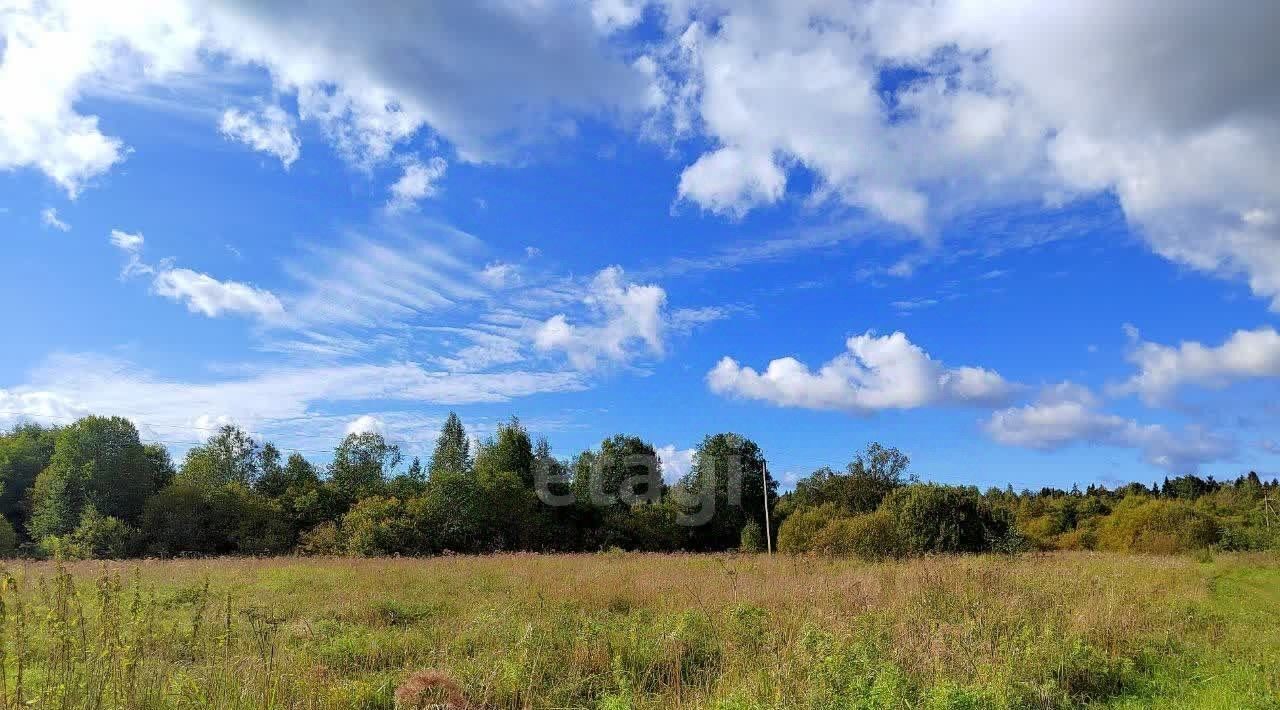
(629, 630)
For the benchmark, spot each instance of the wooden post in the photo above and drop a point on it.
(768, 534)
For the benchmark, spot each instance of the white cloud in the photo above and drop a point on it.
(490, 344)
(685, 320)
(366, 424)
(485, 76)
(418, 181)
(49, 217)
(731, 180)
(500, 275)
(918, 112)
(126, 241)
(363, 282)
(44, 407)
(612, 15)
(1067, 414)
(131, 244)
(70, 386)
(626, 315)
(675, 463)
(200, 292)
(269, 131)
(209, 296)
(1246, 354)
(876, 373)
(914, 304)
(52, 52)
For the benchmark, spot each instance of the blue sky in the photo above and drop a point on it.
(999, 236)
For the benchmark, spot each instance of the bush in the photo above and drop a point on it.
(322, 540)
(1248, 538)
(192, 518)
(1082, 538)
(796, 534)
(8, 539)
(101, 537)
(1156, 526)
(752, 538)
(872, 536)
(378, 526)
(256, 524)
(936, 518)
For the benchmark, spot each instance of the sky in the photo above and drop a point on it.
(1028, 243)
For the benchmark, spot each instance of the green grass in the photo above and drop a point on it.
(1236, 666)
(645, 631)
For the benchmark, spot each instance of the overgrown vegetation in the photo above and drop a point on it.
(874, 614)
(93, 489)
(644, 631)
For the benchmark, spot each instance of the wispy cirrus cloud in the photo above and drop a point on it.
(49, 218)
(69, 386)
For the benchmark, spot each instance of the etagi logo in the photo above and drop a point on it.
(637, 479)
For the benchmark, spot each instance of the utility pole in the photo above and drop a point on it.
(764, 485)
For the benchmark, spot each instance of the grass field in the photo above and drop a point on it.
(645, 631)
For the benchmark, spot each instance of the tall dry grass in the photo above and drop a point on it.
(608, 631)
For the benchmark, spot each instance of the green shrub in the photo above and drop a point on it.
(378, 526)
(1240, 537)
(872, 536)
(322, 540)
(101, 536)
(1156, 526)
(797, 532)
(8, 538)
(936, 518)
(752, 538)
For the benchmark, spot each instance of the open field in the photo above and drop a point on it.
(646, 631)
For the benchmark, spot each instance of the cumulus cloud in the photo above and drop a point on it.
(875, 373)
(731, 180)
(206, 295)
(52, 52)
(625, 316)
(269, 131)
(49, 217)
(1246, 354)
(918, 112)
(675, 463)
(485, 76)
(366, 424)
(1067, 414)
(418, 181)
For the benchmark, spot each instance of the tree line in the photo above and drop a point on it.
(94, 489)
